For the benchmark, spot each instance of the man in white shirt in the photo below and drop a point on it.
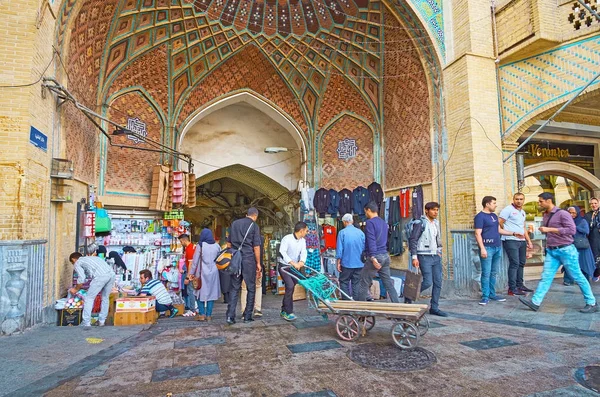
(103, 279)
(512, 219)
(292, 252)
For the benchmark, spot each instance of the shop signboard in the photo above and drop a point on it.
(576, 154)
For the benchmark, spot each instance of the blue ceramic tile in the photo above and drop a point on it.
(322, 393)
(490, 343)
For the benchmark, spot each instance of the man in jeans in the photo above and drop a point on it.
(349, 248)
(559, 229)
(425, 244)
(512, 218)
(378, 259)
(487, 234)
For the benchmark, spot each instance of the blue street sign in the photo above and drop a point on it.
(38, 139)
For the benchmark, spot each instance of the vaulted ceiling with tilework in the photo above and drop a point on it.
(314, 60)
(307, 41)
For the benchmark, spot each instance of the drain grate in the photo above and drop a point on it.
(589, 377)
(388, 357)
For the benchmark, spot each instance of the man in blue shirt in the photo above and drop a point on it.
(378, 259)
(487, 234)
(349, 248)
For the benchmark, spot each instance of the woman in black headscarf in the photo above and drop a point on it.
(114, 255)
(586, 257)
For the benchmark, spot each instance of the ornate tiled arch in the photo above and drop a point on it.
(531, 87)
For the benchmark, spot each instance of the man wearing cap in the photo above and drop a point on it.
(245, 234)
(349, 248)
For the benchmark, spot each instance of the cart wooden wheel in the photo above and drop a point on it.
(405, 335)
(368, 322)
(423, 325)
(347, 328)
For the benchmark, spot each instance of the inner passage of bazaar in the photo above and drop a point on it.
(196, 192)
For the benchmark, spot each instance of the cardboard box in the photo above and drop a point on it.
(299, 293)
(181, 309)
(138, 304)
(69, 317)
(135, 318)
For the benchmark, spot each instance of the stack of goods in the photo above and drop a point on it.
(191, 201)
(159, 198)
(76, 302)
(135, 311)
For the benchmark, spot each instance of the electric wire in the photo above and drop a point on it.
(35, 82)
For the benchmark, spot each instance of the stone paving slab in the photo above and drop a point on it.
(191, 371)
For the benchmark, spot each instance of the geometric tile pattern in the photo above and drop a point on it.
(431, 12)
(248, 69)
(339, 173)
(338, 37)
(539, 82)
(129, 170)
(406, 128)
(299, 55)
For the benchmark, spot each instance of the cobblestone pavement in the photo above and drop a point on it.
(498, 350)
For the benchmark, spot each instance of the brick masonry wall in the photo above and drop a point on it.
(130, 170)
(337, 173)
(406, 130)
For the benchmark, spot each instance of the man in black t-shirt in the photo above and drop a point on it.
(245, 227)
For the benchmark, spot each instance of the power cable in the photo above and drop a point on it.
(35, 82)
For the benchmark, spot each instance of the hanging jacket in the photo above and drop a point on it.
(417, 203)
(376, 194)
(361, 198)
(321, 201)
(334, 202)
(346, 202)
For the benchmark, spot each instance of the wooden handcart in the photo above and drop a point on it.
(354, 318)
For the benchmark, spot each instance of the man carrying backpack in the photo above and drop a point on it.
(425, 244)
(244, 235)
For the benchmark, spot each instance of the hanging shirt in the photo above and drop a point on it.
(394, 216)
(488, 223)
(376, 194)
(321, 201)
(404, 203)
(345, 206)
(329, 237)
(334, 202)
(360, 199)
(350, 245)
(417, 202)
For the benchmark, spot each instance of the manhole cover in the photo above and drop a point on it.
(390, 358)
(589, 377)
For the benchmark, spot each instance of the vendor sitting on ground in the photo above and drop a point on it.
(157, 289)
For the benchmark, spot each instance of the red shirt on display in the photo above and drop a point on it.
(404, 203)
(329, 236)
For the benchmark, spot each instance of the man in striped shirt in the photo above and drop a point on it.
(103, 279)
(157, 289)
